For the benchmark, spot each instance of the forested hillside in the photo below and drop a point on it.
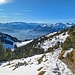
(45, 50)
(68, 49)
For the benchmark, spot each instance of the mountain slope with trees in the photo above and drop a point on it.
(60, 44)
(69, 44)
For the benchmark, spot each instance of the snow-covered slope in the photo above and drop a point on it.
(47, 63)
(50, 64)
(19, 44)
(51, 42)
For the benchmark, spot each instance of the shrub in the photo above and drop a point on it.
(67, 44)
(50, 49)
(40, 59)
(2, 52)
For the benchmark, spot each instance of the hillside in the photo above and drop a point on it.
(7, 40)
(47, 55)
(68, 53)
(47, 64)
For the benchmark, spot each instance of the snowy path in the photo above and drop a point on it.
(57, 67)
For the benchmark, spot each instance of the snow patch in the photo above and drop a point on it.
(22, 43)
(65, 54)
(54, 40)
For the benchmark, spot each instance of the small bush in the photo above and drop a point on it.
(40, 59)
(19, 64)
(50, 49)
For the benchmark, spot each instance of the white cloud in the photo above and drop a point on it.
(5, 1)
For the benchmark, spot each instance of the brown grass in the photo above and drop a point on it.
(61, 54)
(41, 73)
(40, 68)
(73, 52)
(70, 63)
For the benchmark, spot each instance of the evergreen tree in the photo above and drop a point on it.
(9, 54)
(31, 53)
(1, 52)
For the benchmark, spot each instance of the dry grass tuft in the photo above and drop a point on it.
(61, 54)
(40, 68)
(41, 73)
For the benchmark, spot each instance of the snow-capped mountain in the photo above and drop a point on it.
(48, 28)
(18, 25)
(55, 27)
(23, 25)
(23, 30)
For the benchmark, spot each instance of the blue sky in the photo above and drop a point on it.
(47, 11)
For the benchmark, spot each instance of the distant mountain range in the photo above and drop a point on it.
(54, 27)
(23, 25)
(18, 25)
(24, 31)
